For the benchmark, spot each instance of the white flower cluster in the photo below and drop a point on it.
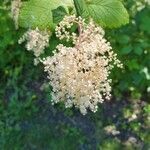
(37, 41)
(62, 30)
(79, 74)
(15, 9)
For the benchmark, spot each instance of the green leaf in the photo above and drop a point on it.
(147, 109)
(133, 64)
(80, 7)
(126, 50)
(123, 39)
(138, 50)
(143, 20)
(38, 13)
(145, 24)
(58, 14)
(68, 3)
(107, 13)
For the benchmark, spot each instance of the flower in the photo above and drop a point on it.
(37, 41)
(15, 9)
(79, 74)
(66, 24)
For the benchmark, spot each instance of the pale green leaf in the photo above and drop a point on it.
(68, 3)
(107, 13)
(38, 13)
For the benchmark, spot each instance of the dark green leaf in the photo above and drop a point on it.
(126, 50)
(138, 50)
(58, 14)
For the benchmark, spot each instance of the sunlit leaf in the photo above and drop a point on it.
(107, 13)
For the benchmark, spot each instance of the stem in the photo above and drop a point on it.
(80, 27)
(77, 7)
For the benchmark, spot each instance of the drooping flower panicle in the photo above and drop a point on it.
(79, 75)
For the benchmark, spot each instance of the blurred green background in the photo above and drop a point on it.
(28, 121)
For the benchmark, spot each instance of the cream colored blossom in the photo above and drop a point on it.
(79, 74)
(37, 41)
(15, 9)
(63, 27)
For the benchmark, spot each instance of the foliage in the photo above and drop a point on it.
(33, 12)
(106, 13)
(112, 14)
(133, 48)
